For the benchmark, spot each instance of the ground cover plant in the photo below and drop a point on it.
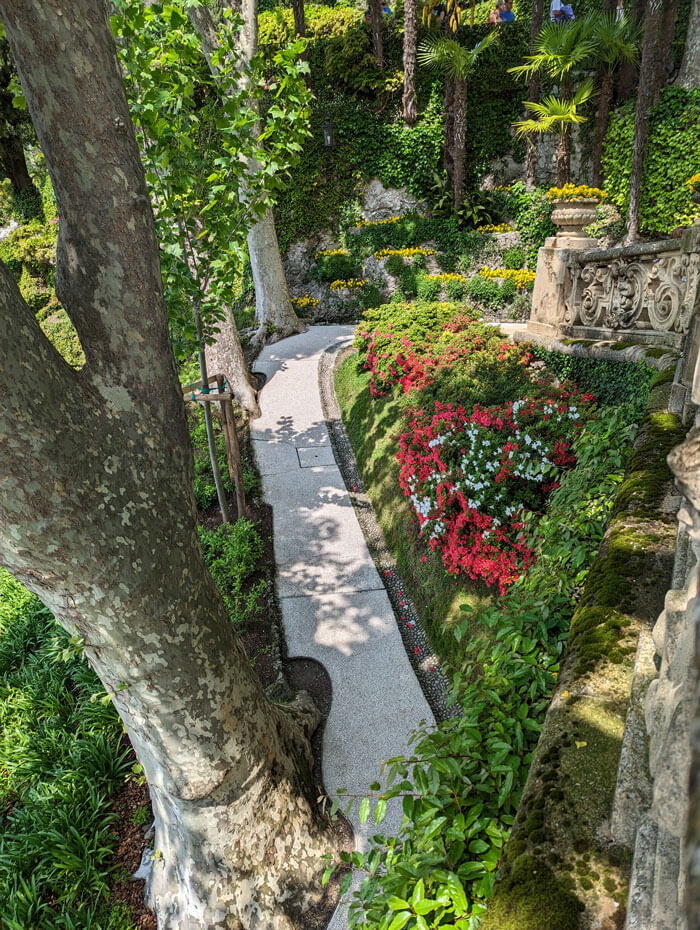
(460, 788)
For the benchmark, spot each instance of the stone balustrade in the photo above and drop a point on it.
(643, 293)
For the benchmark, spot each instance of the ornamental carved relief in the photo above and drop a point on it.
(645, 292)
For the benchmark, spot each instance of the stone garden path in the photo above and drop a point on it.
(335, 608)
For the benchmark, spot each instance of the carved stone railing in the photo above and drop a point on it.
(642, 293)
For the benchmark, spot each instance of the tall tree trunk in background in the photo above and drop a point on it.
(533, 93)
(274, 312)
(105, 531)
(299, 19)
(448, 154)
(410, 40)
(564, 158)
(460, 138)
(602, 122)
(628, 74)
(14, 164)
(647, 81)
(664, 61)
(689, 74)
(225, 356)
(376, 9)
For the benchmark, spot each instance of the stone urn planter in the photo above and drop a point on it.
(571, 216)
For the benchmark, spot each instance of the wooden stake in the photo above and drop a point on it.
(233, 449)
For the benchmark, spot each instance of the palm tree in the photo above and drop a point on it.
(456, 62)
(533, 93)
(617, 43)
(410, 40)
(560, 50)
(558, 115)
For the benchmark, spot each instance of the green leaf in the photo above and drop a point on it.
(401, 919)
(363, 812)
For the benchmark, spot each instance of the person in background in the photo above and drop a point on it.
(619, 10)
(507, 14)
(560, 12)
(496, 14)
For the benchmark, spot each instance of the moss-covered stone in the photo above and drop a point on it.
(648, 475)
(532, 896)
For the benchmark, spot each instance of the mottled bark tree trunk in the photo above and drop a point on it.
(647, 81)
(410, 39)
(460, 138)
(689, 74)
(533, 93)
(376, 13)
(225, 356)
(603, 120)
(274, 312)
(564, 158)
(97, 511)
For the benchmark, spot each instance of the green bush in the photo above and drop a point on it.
(485, 292)
(204, 487)
(233, 552)
(514, 257)
(673, 156)
(428, 288)
(408, 281)
(337, 267)
(395, 265)
(33, 246)
(454, 289)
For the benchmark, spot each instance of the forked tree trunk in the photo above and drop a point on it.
(410, 39)
(460, 138)
(647, 81)
(604, 101)
(689, 74)
(225, 355)
(97, 513)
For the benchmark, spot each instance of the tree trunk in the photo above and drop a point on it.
(410, 39)
(460, 138)
(299, 20)
(647, 80)
(627, 74)
(689, 74)
(664, 60)
(564, 158)
(274, 312)
(226, 356)
(604, 101)
(448, 154)
(14, 164)
(97, 513)
(376, 13)
(533, 93)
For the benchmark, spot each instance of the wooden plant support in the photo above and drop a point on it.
(233, 449)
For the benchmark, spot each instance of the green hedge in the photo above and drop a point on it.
(673, 155)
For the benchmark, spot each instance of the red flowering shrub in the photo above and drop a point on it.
(414, 345)
(471, 476)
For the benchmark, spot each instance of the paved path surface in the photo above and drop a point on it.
(334, 606)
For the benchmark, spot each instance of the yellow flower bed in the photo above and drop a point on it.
(404, 253)
(446, 276)
(305, 301)
(349, 284)
(693, 183)
(326, 253)
(490, 228)
(573, 192)
(363, 223)
(521, 276)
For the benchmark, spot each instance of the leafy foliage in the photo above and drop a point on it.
(61, 761)
(232, 552)
(673, 156)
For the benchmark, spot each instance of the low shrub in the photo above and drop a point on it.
(334, 264)
(232, 551)
(514, 257)
(428, 287)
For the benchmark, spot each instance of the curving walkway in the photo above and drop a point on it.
(334, 605)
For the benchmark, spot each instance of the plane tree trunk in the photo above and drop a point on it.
(97, 513)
